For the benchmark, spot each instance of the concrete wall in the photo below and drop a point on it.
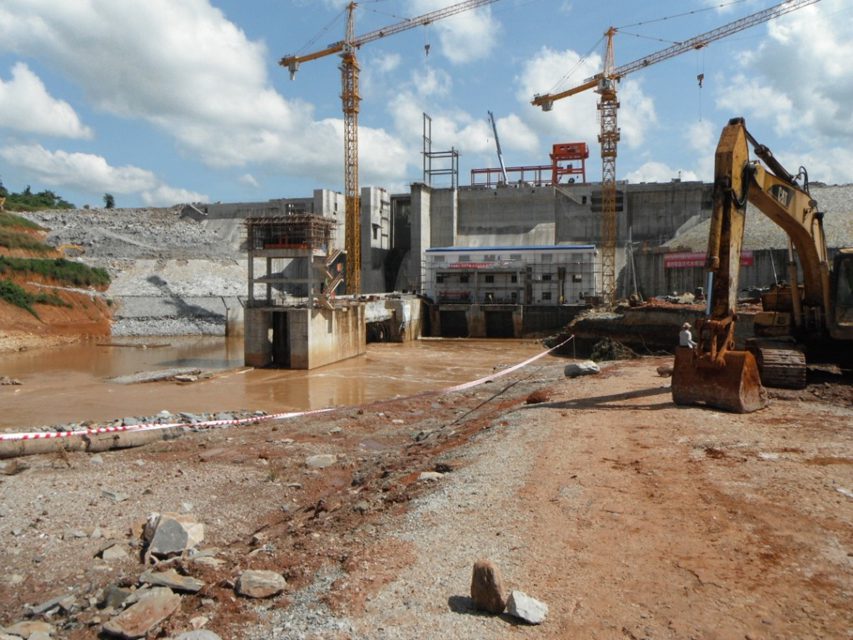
(375, 238)
(322, 336)
(656, 211)
(511, 215)
(443, 217)
(421, 236)
(257, 339)
(315, 337)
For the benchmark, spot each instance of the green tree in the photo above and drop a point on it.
(109, 201)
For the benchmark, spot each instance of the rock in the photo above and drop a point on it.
(170, 534)
(115, 552)
(6, 380)
(39, 635)
(171, 579)
(11, 467)
(665, 371)
(521, 605)
(198, 634)
(585, 368)
(115, 496)
(96, 459)
(26, 629)
(114, 597)
(321, 461)
(260, 584)
(430, 476)
(152, 608)
(538, 396)
(61, 602)
(487, 589)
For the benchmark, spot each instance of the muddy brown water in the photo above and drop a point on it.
(70, 384)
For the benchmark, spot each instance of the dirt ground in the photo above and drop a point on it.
(628, 516)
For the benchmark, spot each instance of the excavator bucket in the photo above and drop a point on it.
(735, 387)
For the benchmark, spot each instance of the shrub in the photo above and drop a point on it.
(59, 269)
(11, 220)
(13, 240)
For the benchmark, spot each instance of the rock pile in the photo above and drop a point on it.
(142, 607)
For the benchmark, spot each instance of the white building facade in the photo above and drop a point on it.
(519, 275)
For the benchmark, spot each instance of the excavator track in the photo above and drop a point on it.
(779, 365)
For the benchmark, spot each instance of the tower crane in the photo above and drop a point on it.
(350, 99)
(605, 84)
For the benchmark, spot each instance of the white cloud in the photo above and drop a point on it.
(163, 196)
(659, 172)
(576, 117)
(386, 62)
(185, 69)
(515, 134)
(249, 180)
(26, 106)
(88, 172)
(799, 76)
(464, 37)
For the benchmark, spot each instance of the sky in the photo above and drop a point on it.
(170, 101)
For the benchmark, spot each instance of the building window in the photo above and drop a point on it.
(439, 279)
(463, 278)
(547, 258)
(438, 258)
(490, 279)
(576, 277)
(546, 295)
(546, 277)
(464, 258)
(489, 257)
(513, 278)
(515, 256)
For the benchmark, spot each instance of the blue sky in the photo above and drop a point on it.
(170, 101)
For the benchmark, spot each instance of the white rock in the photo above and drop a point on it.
(528, 609)
(585, 368)
(321, 461)
(430, 476)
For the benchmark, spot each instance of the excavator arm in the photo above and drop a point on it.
(713, 372)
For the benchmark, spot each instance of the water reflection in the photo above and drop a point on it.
(69, 383)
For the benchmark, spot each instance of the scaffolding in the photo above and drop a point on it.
(298, 257)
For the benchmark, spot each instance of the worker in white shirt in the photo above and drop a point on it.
(685, 338)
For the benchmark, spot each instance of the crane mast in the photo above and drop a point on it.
(605, 84)
(350, 99)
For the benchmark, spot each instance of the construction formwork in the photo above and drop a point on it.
(298, 257)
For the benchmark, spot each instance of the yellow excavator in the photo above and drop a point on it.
(812, 320)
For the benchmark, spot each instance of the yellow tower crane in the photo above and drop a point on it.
(605, 84)
(350, 98)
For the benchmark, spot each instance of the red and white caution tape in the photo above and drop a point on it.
(212, 424)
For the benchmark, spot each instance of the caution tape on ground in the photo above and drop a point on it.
(212, 424)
